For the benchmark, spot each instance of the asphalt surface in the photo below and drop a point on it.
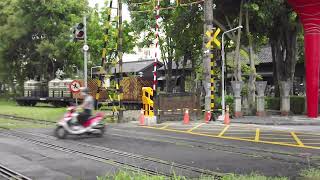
(205, 153)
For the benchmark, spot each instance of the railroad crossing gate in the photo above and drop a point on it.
(148, 105)
(147, 96)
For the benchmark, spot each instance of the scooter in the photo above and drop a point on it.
(69, 125)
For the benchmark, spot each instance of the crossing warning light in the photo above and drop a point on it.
(79, 31)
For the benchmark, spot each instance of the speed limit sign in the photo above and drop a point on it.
(75, 86)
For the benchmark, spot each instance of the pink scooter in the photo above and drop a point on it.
(69, 125)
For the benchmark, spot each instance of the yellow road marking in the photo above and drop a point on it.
(297, 139)
(257, 138)
(247, 130)
(235, 133)
(311, 143)
(234, 138)
(223, 131)
(197, 126)
(276, 138)
(283, 135)
(164, 126)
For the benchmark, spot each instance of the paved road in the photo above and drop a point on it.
(191, 150)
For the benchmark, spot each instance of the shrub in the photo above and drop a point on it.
(297, 104)
(272, 103)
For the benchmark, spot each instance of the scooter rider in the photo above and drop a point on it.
(87, 106)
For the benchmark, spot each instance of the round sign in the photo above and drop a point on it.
(85, 47)
(75, 86)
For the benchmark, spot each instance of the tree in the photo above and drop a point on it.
(36, 40)
(280, 23)
(35, 35)
(180, 37)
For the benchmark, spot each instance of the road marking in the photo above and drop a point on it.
(276, 138)
(311, 143)
(223, 131)
(257, 134)
(297, 139)
(164, 126)
(283, 135)
(197, 126)
(234, 138)
(236, 133)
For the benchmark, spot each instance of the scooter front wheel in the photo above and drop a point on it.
(60, 132)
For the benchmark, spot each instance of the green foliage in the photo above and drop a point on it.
(297, 104)
(272, 103)
(123, 175)
(36, 38)
(311, 174)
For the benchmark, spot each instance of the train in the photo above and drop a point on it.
(58, 93)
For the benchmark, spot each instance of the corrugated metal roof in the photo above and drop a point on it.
(264, 55)
(135, 66)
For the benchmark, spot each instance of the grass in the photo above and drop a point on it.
(123, 175)
(310, 174)
(41, 111)
(13, 124)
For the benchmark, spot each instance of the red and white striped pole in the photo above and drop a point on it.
(155, 81)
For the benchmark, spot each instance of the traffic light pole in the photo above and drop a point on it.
(85, 52)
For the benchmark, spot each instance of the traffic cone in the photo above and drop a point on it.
(186, 118)
(207, 116)
(141, 118)
(226, 116)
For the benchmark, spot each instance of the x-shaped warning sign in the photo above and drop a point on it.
(213, 38)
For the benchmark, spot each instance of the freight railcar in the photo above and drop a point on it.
(57, 92)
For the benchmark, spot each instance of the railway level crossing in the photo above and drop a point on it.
(248, 133)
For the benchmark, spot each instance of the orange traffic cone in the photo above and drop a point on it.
(226, 116)
(186, 118)
(141, 118)
(207, 116)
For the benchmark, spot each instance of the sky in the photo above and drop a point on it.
(125, 13)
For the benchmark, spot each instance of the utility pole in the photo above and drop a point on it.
(120, 55)
(208, 16)
(85, 53)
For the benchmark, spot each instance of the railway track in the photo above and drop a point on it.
(170, 167)
(273, 155)
(11, 174)
(258, 153)
(188, 142)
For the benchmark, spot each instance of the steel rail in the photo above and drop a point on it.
(115, 162)
(138, 157)
(11, 174)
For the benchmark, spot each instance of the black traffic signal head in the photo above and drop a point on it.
(79, 31)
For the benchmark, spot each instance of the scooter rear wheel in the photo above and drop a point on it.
(60, 132)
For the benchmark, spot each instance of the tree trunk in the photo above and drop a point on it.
(283, 44)
(252, 76)
(169, 76)
(237, 72)
(183, 74)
